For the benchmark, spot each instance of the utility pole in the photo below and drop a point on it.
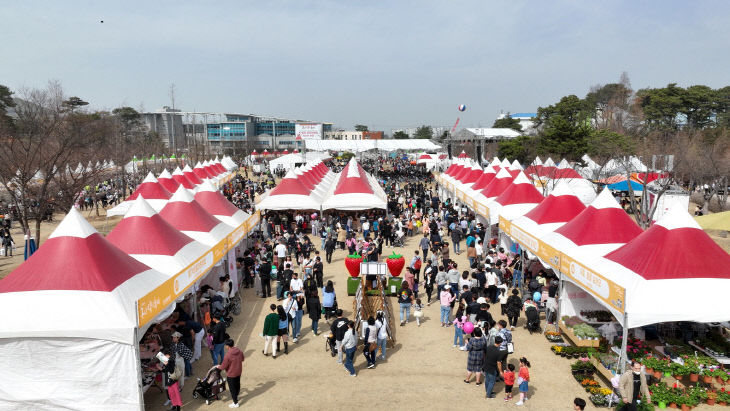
(172, 116)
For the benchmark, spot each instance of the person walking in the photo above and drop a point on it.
(492, 366)
(382, 325)
(523, 379)
(329, 248)
(318, 271)
(446, 298)
(329, 299)
(405, 299)
(370, 346)
(424, 245)
(271, 329)
(314, 310)
(7, 243)
(233, 366)
(219, 338)
(632, 387)
(283, 331)
(349, 342)
(184, 352)
(265, 277)
(172, 372)
(475, 348)
(338, 329)
(514, 306)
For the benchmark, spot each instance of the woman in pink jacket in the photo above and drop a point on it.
(446, 297)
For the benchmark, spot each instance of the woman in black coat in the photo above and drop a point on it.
(514, 306)
(314, 309)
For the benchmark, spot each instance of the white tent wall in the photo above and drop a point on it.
(574, 299)
(68, 373)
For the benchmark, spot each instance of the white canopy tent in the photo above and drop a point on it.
(357, 146)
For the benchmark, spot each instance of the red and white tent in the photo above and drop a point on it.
(552, 213)
(151, 240)
(470, 176)
(482, 182)
(151, 189)
(353, 191)
(519, 198)
(201, 172)
(190, 175)
(462, 155)
(501, 181)
(188, 216)
(71, 307)
(180, 177)
(672, 272)
(217, 205)
(534, 167)
(599, 229)
(290, 194)
(165, 179)
(564, 170)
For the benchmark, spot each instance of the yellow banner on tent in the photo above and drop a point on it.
(481, 209)
(598, 285)
(545, 252)
(156, 300)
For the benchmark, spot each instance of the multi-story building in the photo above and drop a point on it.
(525, 119)
(343, 135)
(411, 131)
(168, 124)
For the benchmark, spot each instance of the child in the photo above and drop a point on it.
(459, 322)
(523, 379)
(503, 298)
(417, 311)
(509, 381)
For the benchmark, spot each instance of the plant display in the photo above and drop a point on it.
(572, 321)
(599, 400)
(636, 348)
(601, 316)
(723, 397)
(583, 366)
(585, 331)
(553, 336)
(716, 344)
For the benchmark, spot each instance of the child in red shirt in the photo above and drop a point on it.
(509, 381)
(524, 378)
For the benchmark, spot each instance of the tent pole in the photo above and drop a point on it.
(560, 300)
(138, 360)
(624, 342)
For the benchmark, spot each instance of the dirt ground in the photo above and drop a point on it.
(422, 371)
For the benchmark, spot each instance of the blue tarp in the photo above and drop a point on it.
(624, 186)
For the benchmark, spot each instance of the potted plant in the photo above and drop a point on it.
(598, 400)
(711, 397)
(723, 397)
(693, 369)
(659, 393)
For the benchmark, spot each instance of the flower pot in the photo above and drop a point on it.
(685, 407)
(562, 354)
(707, 379)
(677, 377)
(710, 401)
(650, 371)
(658, 375)
(672, 405)
(694, 377)
(667, 374)
(719, 380)
(662, 405)
(722, 403)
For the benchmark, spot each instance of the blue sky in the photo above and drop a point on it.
(386, 64)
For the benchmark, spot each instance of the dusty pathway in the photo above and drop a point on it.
(422, 372)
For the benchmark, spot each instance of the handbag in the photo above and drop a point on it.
(373, 347)
(510, 348)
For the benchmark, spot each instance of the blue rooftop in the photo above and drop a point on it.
(523, 115)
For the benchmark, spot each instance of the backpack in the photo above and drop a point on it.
(417, 263)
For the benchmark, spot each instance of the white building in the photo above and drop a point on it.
(343, 135)
(487, 134)
(525, 120)
(411, 131)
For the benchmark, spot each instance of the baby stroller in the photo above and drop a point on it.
(210, 386)
(399, 239)
(330, 344)
(533, 319)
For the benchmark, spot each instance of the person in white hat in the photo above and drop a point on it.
(446, 297)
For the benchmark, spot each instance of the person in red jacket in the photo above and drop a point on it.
(232, 364)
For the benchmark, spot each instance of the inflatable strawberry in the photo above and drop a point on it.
(352, 262)
(396, 262)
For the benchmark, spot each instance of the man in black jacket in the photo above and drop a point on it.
(265, 276)
(338, 329)
(318, 271)
(329, 246)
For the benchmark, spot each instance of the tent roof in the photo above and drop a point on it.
(143, 231)
(165, 179)
(485, 178)
(463, 155)
(521, 191)
(214, 202)
(186, 214)
(560, 206)
(501, 181)
(151, 189)
(603, 222)
(182, 179)
(516, 165)
(353, 180)
(74, 257)
(473, 175)
(716, 221)
(674, 248)
(188, 172)
(290, 184)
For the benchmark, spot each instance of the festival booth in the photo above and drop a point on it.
(165, 179)
(74, 344)
(183, 180)
(289, 194)
(516, 200)
(218, 206)
(353, 190)
(154, 192)
(190, 175)
(188, 216)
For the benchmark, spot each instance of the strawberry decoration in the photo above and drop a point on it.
(352, 262)
(396, 262)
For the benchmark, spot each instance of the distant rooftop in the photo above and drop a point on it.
(523, 115)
